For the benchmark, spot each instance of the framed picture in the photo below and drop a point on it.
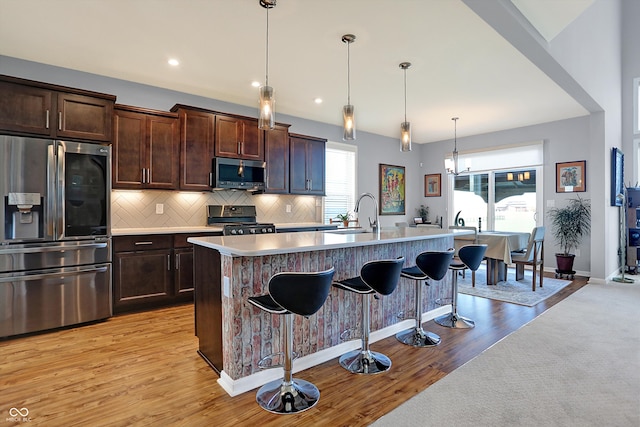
(432, 185)
(392, 190)
(617, 177)
(570, 177)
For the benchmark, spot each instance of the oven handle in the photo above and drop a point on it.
(97, 245)
(40, 274)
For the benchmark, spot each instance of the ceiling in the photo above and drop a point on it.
(460, 65)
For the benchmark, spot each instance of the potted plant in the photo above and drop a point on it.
(344, 218)
(423, 212)
(569, 225)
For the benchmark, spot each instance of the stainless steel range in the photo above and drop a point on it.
(55, 254)
(237, 220)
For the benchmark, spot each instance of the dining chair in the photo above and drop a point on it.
(533, 255)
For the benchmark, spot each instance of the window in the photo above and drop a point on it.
(493, 197)
(340, 179)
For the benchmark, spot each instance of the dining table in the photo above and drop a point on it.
(500, 244)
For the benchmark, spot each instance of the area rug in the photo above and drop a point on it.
(577, 364)
(516, 292)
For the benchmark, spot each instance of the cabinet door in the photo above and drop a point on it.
(128, 149)
(298, 165)
(316, 166)
(184, 273)
(142, 279)
(276, 155)
(84, 117)
(196, 150)
(26, 109)
(162, 152)
(238, 138)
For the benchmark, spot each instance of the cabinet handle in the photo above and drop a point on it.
(168, 262)
(310, 184)
(148, 176)
(143, 243)
(210, 179)
(239, 147)
(177, 262)
(143, 175)
(47, 124)
(59, 120)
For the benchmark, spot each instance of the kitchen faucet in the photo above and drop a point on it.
(375, 226)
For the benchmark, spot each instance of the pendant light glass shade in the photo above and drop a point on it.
(405, 127)
(348, 111)
(349, 123)
(266, 100)
(267, 108)
(405, 136)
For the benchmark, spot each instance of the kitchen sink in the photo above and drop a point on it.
(349, 230)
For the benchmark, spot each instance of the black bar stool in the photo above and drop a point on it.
(292, 293)
(375, 277)
(469, 256)
(429, 265)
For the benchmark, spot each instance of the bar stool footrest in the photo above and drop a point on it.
(265, 362)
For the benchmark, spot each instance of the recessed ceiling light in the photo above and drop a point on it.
(173, 62)
(255, 84)
(318, 100)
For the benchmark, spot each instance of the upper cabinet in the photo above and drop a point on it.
(28, 107)
(307, 165)
(276, 156)
(196, 148)
(145, 149)
(238, 138)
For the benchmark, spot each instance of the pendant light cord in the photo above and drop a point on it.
(267, 50)
(348, 73)
(405, 94)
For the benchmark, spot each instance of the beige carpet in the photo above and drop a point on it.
(516, 292)
(577, 364)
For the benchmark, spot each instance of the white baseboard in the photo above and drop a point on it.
(244, 384)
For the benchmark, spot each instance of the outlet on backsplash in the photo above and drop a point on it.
(288, 209)
(159, 208)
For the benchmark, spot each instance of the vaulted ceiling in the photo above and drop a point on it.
(460, 65)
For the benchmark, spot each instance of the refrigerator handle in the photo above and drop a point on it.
(60, 189)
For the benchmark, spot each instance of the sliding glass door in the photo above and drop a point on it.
(505, 200)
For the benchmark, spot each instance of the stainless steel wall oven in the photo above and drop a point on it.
(55, 234)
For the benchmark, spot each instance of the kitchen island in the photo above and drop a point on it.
(233, 335)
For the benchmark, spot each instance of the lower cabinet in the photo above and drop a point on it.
(152, 271)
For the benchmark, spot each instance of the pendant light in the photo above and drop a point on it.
(348, 112)
(267, 101)
(452, 165)
(405, 127)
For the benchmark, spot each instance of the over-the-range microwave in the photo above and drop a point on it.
(238, 174)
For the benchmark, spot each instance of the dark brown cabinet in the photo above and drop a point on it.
(28, 107)
(142, 271)
(307, 170)
(145, 149)
(153, 270)
(196, 148)
(276, 156)
(238, 138)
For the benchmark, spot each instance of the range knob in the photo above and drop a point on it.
(234, 232)
(240, 231)
(252, 231)
(269, 230)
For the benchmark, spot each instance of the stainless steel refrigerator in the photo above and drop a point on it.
(55, 234)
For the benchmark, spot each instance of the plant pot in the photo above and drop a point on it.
(565, 262)
(345, 224)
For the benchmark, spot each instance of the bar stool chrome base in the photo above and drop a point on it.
(418, 338)
(280, 397)
(456, 321)
(365, 362)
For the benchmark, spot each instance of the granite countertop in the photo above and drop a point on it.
(280, 243)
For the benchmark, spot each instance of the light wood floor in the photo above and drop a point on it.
(142, 369)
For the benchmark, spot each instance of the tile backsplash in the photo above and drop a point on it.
(137, 209)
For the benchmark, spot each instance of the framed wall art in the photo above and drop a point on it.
(432, 185)
(392, 190)
(571, 177)
(617, 177)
